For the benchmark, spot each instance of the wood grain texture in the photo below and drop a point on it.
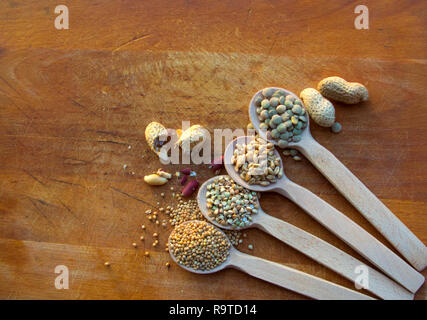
(72, 101)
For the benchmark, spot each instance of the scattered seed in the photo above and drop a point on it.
(250, 247)
(146, 253)
(336, 127)
(107, 264)
(134, 245)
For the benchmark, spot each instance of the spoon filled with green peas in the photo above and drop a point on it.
(231, 206)
(256, 165)
(200, 247)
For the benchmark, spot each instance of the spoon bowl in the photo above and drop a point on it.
(398, 234)
(253, 116)
(334, 220)
(280, 275)
(228, 154)
(220, 267)
(202, 201)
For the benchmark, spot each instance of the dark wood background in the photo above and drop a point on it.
(71, 101)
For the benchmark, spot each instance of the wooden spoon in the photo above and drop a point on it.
(339, 224)
(354, 191)
(314, 247)
(280, 275)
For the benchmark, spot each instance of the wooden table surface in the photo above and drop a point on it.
(72, 101)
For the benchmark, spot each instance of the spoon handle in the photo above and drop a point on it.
(354, 235)
(331, 257)
(292, 279)
(366, 202)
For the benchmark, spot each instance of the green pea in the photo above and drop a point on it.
(296, 138)
(299, 125)
(296, 132)
(282, 100)
(288, 124)
(303, 118)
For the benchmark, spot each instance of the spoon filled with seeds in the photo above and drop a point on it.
(199, 247)
(230, 206)
(280, 117)
(255, 164)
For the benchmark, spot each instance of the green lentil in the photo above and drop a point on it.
(281, 128)
(264, 114)
(279, 109)
(265, 104)
(274, 102)
(336, 127)
(271, 112)
(275, 133)
(268, 92)
(276, 119)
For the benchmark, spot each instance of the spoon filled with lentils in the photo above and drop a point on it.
(280, 117)
(255, 164)
(200, 247)
(231, 206)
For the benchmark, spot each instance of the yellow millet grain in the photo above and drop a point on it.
(199, 245)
